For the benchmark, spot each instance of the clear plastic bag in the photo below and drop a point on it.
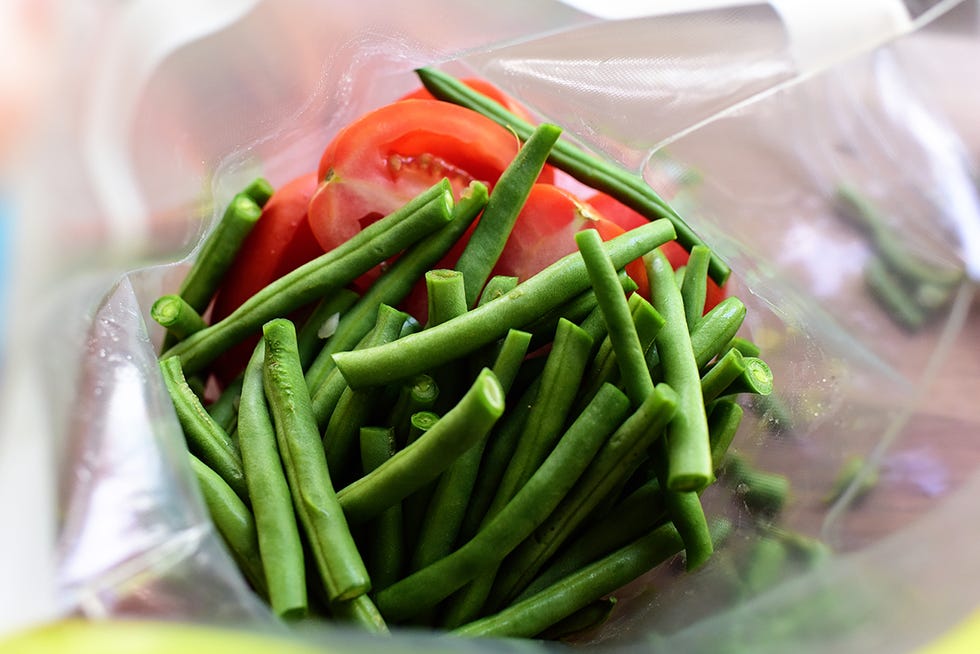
(754, 156)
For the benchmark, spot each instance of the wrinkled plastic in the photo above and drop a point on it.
(711, 108)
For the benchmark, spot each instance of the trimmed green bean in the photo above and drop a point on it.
(544, 426)
(745, 346)
(551, 287)
(532, 504)
(720, 375)
(322, 323)
(314, 499)
(224, 410)
(761, 491)
(638, 514)
(534, 614)
(419, 423)
(498, 453)
(616, 312)
(353, 407)
(619, 457)
(205, 439)
(724, 418)
(446, 294)
(426, 458)
(694, 286)
(587, 618)
(385, 558)
(260, 190)
(892, 295)
(510, 356)
(629, 188)
(360, 611)
(855, 470)
(275, 519)
(218, 251)
(396, 283)
(497, 287)
(418, 394)
(233, 521)
(328, 272)
(687, 515)
(174, 314)
(716, 329)
(689, 455)
(506, 201)
(756, 378)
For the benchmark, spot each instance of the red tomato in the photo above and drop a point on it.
(480, 86)
(280, 242)
(677, 255)
(544, 232)
(391, 154)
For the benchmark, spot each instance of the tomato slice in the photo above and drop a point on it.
(480, 86)
(280, 242)
(388, 156)
(628, 219)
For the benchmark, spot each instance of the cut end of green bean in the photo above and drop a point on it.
(260, 190)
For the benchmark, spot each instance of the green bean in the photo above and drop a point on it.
(510, 356)
(385, 557)
(322, 323)
(423, 460)
(360, 611)
(506, 201)
(720, 376)
(314, 499)
(619, 319)
(756, 378)
(327, 273)
(275, 520)
(447, 297)
(393, 286)
(224, 410)
(419, 423)
(218, 251)
(724, 418)
(855, 470)
(233, 521)
(711, 335)
(536, 613)
(587, 618)
(532, 504)
(694, 286)
(619, 457)
(762, 491)
(497, 286)
(893, 296)
(451, 497)
(417, 394)
(260, 190)
(205, 438)
(629, 188)
(766, 565)
(638, 514)
(687, 514)
(891, 251)
(745, 346)
(498, 453)
(353, 407)
(688, 452)
(551, 287)
(174, 314)
(559, 383)
(578, 310)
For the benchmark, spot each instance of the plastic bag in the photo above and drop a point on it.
(768, 159)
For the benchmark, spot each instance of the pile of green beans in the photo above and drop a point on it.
(498, 471)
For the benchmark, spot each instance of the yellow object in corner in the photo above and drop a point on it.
(962, 639)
